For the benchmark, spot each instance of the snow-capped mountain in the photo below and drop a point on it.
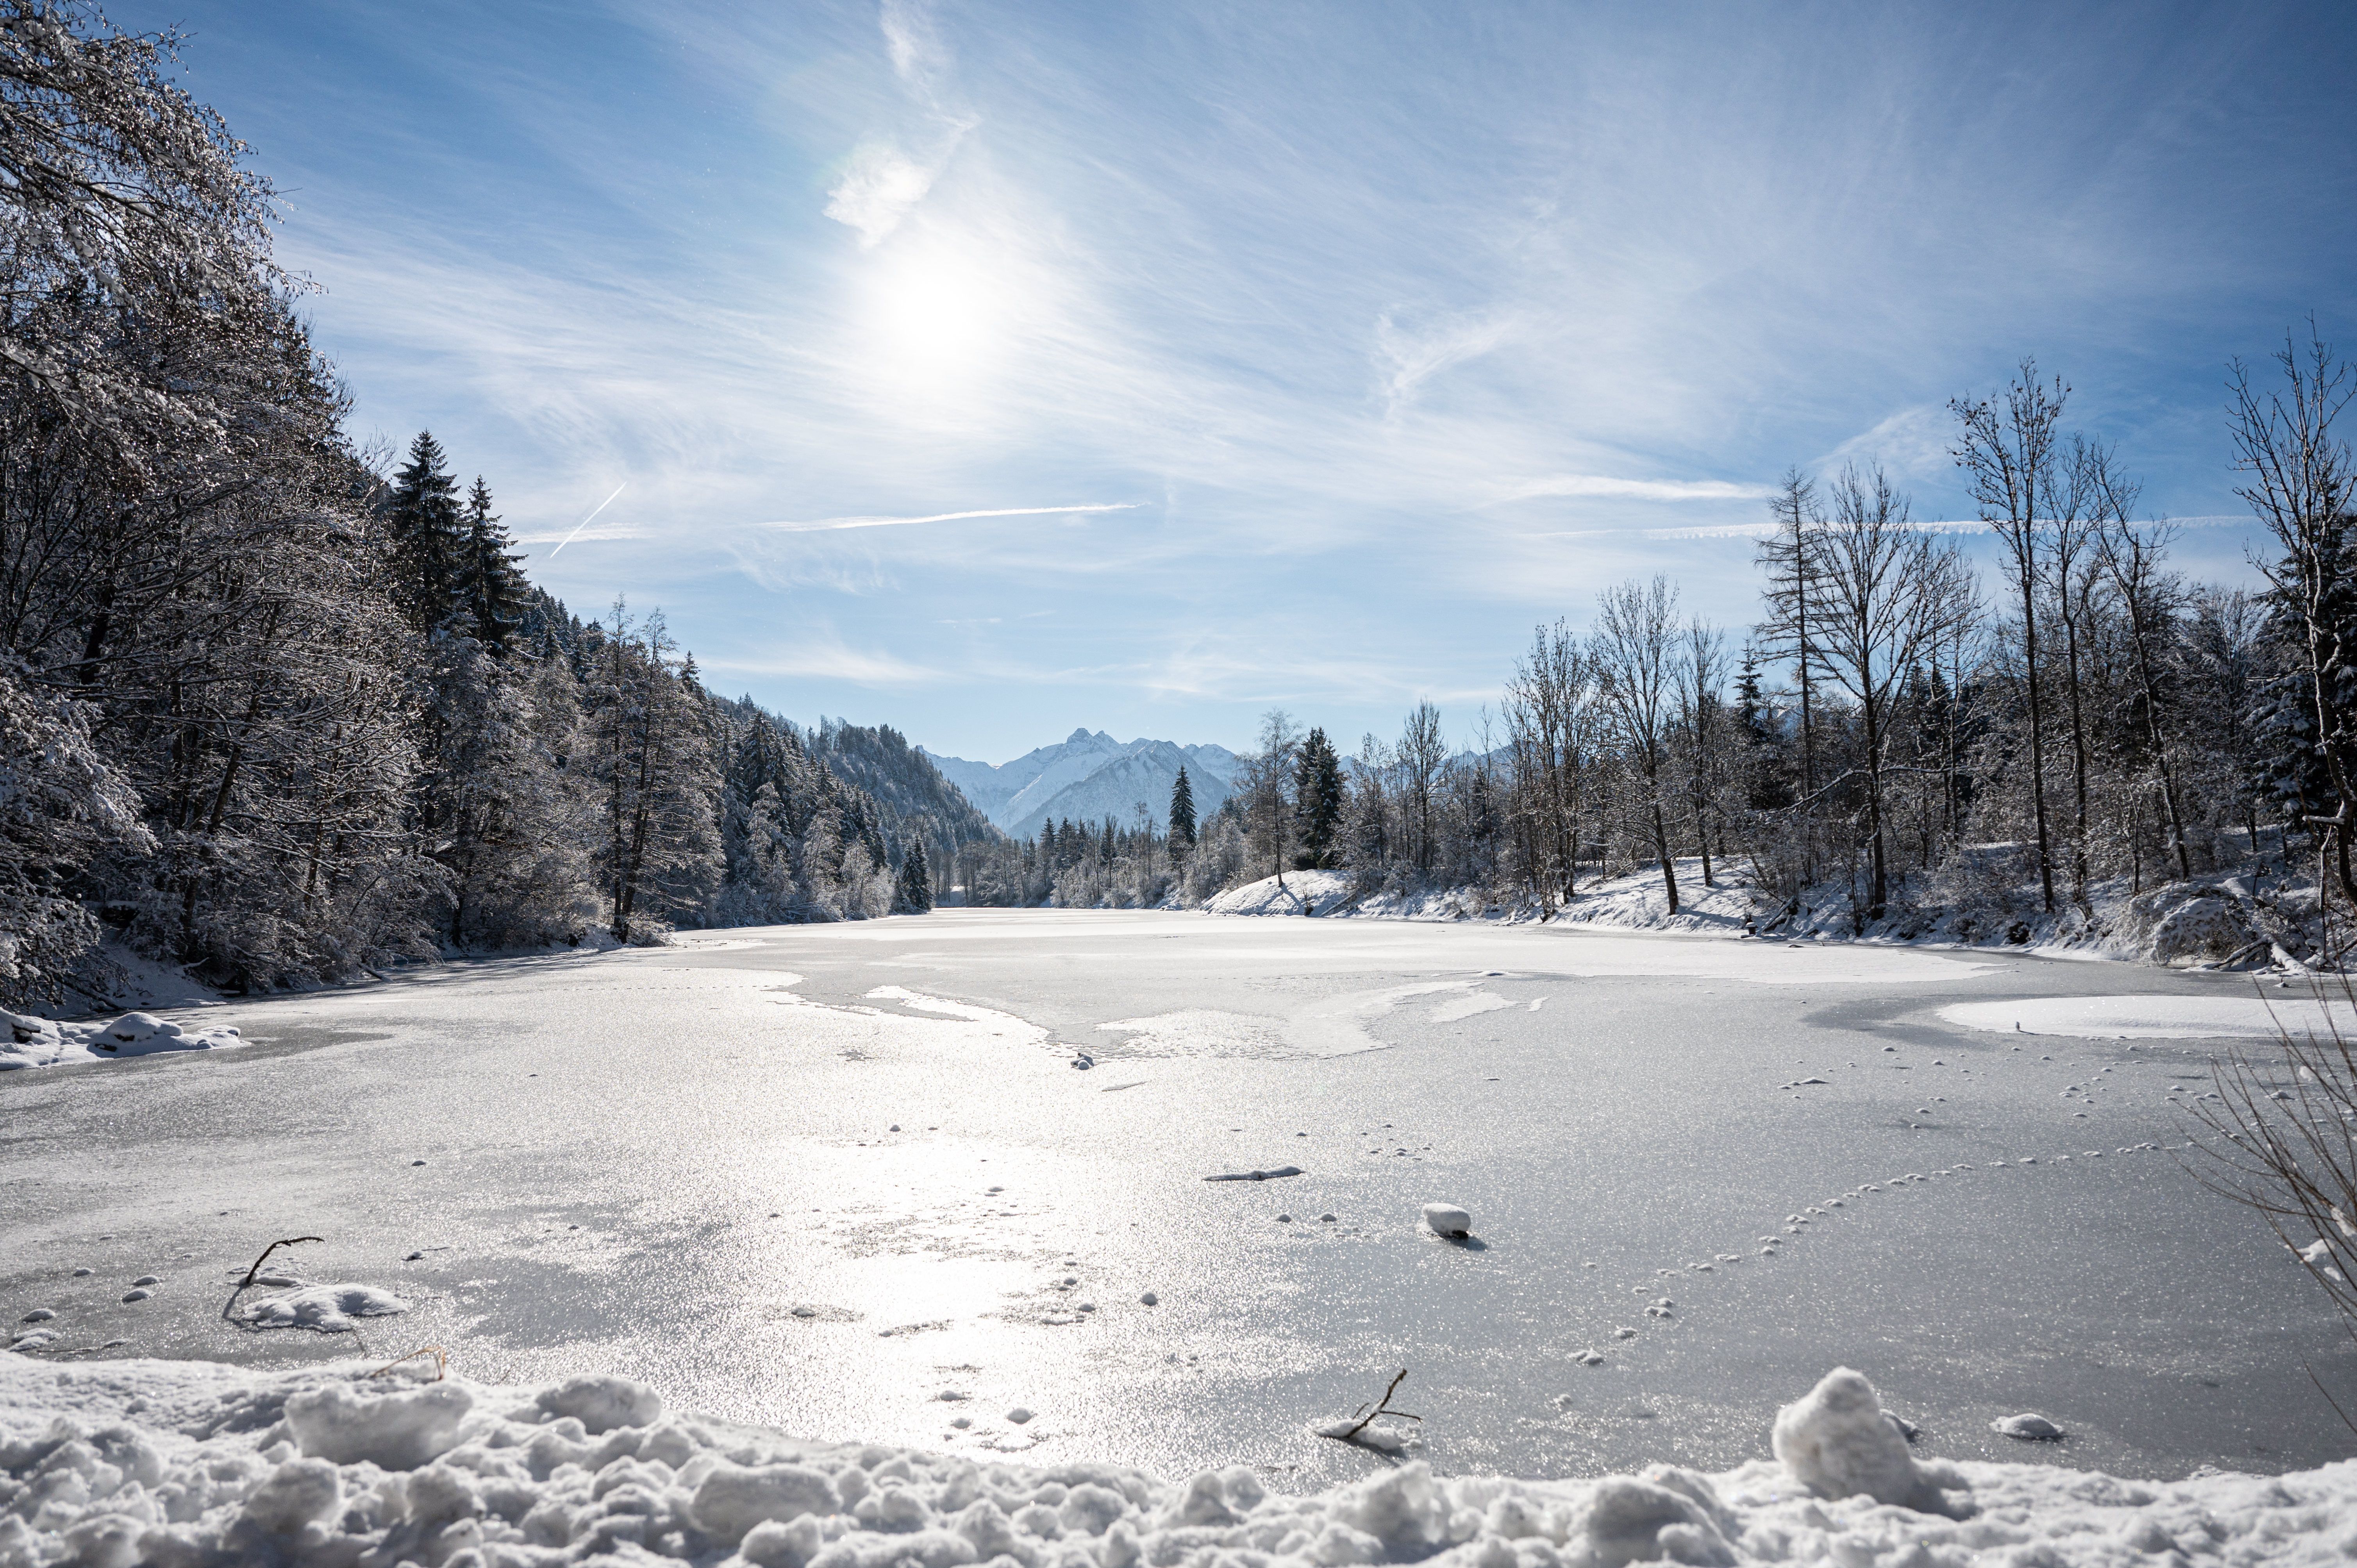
(1089, 778)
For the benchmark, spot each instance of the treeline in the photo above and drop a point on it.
(273, 711)
(1901, 739)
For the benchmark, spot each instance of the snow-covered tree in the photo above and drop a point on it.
(912, 893)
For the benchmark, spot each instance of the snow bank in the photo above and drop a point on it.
(26, 1041)
(1302, 893)
(170, 1462)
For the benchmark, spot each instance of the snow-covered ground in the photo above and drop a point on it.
(162, 1462)
(819, 1178)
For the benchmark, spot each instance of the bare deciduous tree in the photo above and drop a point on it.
(1888, 593)
(2008, 450)
(1634, 650)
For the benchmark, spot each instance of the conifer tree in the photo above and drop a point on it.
(914, 893)
(1317, 800)
(429, 537)
(493, 588)
(1182, 817)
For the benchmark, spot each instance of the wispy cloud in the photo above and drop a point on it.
(1404, 327)
(1601, 485)
(1913, 442)
(1405, 358)
(877, 189)
(833, 524)
(832, 660)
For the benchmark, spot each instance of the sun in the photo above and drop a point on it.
(935, 312)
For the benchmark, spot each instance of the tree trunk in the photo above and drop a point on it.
(2037, 734)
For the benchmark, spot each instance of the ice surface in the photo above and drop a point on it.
(1325, 1026)
(720, 1143)
(145, 1461)
(1466, 1007)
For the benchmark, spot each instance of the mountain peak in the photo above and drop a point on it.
(1078, 735)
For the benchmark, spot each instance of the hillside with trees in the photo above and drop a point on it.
(279, 708)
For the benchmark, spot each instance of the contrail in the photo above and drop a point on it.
(586, 520)
(828, 524)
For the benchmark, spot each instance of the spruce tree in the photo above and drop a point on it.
(1182, 816)
(493, 586)
(914, 895)
(1317, 800)
(429, 538)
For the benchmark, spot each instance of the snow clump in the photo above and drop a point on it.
(1839, 1442)
(1447, 1220)
(327, 1308)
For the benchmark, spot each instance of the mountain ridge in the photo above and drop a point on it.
(1087, 776)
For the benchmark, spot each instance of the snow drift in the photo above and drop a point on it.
(173, 1462)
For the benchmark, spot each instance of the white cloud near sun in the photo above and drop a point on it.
(879, 187)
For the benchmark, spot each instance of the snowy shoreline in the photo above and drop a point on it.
(191, 1462)
(2211, 923)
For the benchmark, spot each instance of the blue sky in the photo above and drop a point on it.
(988, 370)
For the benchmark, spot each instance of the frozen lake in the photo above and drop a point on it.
(679, 1164)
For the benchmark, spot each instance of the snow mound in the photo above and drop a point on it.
(1838, 1443)
(1300, 893)
(180, 1462)
(2206, 928)
(27, 1041)
(329, 1309)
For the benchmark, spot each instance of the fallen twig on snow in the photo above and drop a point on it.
(1257, 1175)
(1360, 1418)
(289, 1241)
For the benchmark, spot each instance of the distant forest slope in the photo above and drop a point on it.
(913, 796)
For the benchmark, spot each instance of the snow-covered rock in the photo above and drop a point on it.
(1447, 1220)
(2029, 1425)
(189, 1461)
(28, 1041)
